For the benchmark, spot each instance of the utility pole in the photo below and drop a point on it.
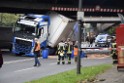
(79, 18)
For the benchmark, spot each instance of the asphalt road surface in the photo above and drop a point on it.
(19, 69)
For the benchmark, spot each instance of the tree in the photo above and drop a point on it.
(7, 19)
(112, 30)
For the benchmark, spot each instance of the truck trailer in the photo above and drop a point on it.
(50, 29)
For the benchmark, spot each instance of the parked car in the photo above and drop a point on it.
(1, 59)
(103, 40)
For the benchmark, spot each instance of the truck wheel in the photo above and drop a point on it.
(10, 49)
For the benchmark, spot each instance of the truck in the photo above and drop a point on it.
(50, 29)
(118, 49)
(6, 36)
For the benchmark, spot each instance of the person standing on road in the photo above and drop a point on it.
(75, 51)
(37, 52)
(69, 50)
(90, 39)
(66, 47)
(60, 52)
(114, 51)
(61, 56)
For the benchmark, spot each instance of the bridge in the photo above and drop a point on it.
(96, 11)
(90, 7)
(101, 19)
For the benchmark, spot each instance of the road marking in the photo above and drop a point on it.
(16, 61)
(24, 69)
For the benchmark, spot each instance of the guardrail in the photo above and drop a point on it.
(97, 50)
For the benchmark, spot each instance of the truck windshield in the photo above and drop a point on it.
(25, 28)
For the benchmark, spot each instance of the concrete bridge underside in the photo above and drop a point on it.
(43, 6)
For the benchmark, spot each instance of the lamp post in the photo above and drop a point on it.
(79, 13)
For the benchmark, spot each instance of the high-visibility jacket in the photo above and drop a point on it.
(61, 53)
(37, 48)
(75, 51)
(114, 52)
(69, 50)
(113, 45)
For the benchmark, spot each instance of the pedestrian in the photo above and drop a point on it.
(69, 50)
(75, 53)
(60, 52)
(37, 52)
(66, 47)
(61, 56)
(114, 52)
(90, 39)
(1, 59)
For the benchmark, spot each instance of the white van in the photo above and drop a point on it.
(103, 40)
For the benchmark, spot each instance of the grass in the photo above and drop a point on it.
(71, 76)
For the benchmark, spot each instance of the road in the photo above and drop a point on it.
(20, 69)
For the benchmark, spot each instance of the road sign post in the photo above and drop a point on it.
(80, 16)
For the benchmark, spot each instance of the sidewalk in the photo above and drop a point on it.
(111, 76)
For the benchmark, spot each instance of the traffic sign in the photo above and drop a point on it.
(80, 15)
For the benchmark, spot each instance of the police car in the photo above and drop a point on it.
(103, 40)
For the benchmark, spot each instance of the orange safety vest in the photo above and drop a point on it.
(75, 51)
(38, 46)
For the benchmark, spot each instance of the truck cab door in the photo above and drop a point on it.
(43, 35)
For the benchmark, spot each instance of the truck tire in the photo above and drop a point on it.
(10, 49)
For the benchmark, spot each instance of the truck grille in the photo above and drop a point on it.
(23, 46)
(22, 42)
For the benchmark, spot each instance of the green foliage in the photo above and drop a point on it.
(88, 73)
(7, 19)
(112, 30)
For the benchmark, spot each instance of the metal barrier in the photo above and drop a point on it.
(96, 50)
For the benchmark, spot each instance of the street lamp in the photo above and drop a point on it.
(79, 18)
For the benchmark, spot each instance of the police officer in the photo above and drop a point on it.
(60, 51)
(37, 52)
(69, 50)
(61, 56)
(66, 47)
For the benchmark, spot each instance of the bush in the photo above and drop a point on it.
(7, 19)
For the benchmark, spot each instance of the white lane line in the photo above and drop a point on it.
(24, 69)
(15, 61)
